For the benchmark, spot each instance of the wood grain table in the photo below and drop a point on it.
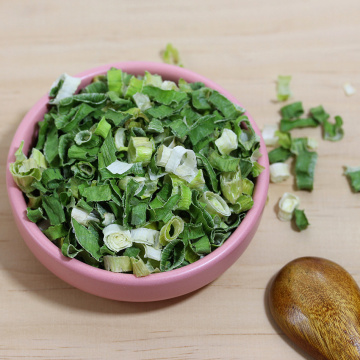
(243, 46)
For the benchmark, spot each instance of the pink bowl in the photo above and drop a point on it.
(125, 287)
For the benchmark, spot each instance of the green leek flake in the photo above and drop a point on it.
(301, 220)
(283, 88)
(353, 174)
(171, 55)
(139, 174)
(292, 111)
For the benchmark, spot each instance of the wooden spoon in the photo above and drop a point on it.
(316, 303)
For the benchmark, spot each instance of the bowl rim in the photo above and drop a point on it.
(170, 72)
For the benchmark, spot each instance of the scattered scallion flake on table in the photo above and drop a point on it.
(349, 89)
(283, 88)
(269, 135)
(333, 131)
(287, 205)
(138, 175)
(301, 220)
(279, 172)
(353, 174)
(171, 55)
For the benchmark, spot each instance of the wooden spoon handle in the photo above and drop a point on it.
(317, 305)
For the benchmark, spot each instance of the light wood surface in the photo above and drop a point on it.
(243, 46)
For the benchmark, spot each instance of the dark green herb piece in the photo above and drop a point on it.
(287, 125)
(279, 154)
(292, 111)
(301, 220)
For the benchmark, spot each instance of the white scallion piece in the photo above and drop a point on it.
(349, 89)
(312, 144)
(119, 167)
(179, 161)
(168, 85)
(215, 204)
(145, 236)
(163, 156)
(82, 216)
(67, 89)
(268, 134)
(152, 253)
(120, 139)
(116, 238)
(109, 218)
(279, 172)
(227, 142)
(142, 101)
(287, 205)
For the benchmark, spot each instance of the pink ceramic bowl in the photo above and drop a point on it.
(126, 287)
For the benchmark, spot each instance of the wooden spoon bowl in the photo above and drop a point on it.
(316, 303)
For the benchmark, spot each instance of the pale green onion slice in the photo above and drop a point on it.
(283, 88)
(215, 204)
(152, 253)
(168, 85)
(39, 158)
(142, 101)
(118, 264)
(119, 139)
(150, 188)
(244, 203)
(109, 218)
(102, 128)
(287, 205)
(139, 267)
(179, 187)
(83, 136)
(140, 150)
(116, 238)
(119, 167)
(198, 182)
(312, 144)
(227, 142)
(124, 181)
(163, 155)
(151, 79)
(68, 86)
(269, 135)
(83, 217)
(171, 230)
(279, 172)
(349, 89)
(231, 185)
(247, 186)
(255, 156)
(175, 157)
(145, 236)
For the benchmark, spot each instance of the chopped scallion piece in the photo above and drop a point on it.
(283, 88)
(353, 173)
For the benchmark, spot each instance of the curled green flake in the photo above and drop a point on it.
(171, 230)
(171, 55)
